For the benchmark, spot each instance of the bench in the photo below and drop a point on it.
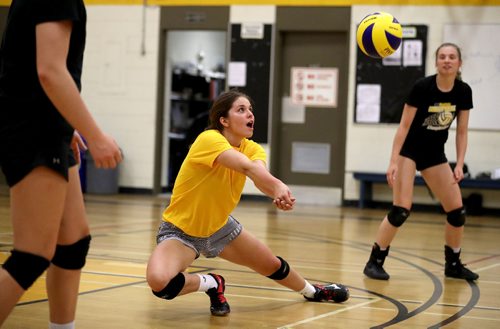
(367, 179)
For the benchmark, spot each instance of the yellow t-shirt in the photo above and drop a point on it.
(205, 193)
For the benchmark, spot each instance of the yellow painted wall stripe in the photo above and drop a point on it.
(289, 2)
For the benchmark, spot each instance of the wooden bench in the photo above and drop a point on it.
(367, 179)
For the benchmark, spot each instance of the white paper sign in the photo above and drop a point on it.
(237, 74)
(252, 31)
(412, 53)
(368, 98)
(314, 86)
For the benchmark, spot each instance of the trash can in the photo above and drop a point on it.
(99, 180)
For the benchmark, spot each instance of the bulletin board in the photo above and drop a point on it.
(480, 69)
(255, 53)
(382, 85)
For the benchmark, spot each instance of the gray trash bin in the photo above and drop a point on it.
(99, 180)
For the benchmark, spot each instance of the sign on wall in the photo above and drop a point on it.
(314, 86)
(382, 85)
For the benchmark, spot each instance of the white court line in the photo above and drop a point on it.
(486, 267)
(464, 316)
(291, 325)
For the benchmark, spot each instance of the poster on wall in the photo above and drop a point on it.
(382, 85)
(314, 86)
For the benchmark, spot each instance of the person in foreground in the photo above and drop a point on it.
(431, 107)
(198, 219)
(40, 107)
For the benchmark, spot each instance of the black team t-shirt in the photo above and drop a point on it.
(20, 89)
(436, 111)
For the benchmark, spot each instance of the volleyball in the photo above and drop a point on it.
(379, 35)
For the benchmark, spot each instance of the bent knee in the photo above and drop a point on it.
(171, 289)
(158, 278)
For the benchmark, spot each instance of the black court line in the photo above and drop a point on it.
(438, 288)
(402, 309)
(467, 308)
(400, 317)
(473, 299)
(430, 302)
(85, 292)
(43, 300)
(437, 292)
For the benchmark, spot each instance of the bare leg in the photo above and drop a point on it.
(248, 251)
(37, 207)
(402, 197)
(169, 258)
(386, 233)
(442, 183)
(62, 284)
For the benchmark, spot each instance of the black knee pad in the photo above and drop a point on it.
(173, 288)
(25, 267)
(72, 257)
(282, 272)
(398, 215)
(456, 217)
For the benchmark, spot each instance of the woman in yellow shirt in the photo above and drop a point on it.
(198, 219)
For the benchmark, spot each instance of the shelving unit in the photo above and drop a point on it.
(190, 101)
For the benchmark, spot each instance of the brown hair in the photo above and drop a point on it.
(459, 52)
(221, 107)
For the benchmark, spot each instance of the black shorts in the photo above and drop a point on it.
(27, 142)
(425, 159)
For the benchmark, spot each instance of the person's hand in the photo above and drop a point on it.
(77, 145)
(283, 198)
(105, 151)
(391, 174)
(458, 173)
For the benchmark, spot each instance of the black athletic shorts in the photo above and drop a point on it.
(425, 159)
(27, 142)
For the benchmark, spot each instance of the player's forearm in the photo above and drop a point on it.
(263, 180)
(63, 93)
(461, 147)
(397, 144)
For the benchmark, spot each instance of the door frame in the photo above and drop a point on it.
(178, 18)
(298, 19)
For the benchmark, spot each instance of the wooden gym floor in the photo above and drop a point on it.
(324, 244)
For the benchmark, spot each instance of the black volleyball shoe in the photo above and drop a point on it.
(333, 292)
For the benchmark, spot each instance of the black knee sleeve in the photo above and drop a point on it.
(456, 217)
(72, 257)
(173, 288)
(25, 267)
(398, 215)
(282, 272)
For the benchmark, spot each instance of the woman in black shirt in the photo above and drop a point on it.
(431, 107)
(40, 108)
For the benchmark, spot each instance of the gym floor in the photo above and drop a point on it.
(325, 244)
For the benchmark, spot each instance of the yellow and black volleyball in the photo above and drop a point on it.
(379, 35)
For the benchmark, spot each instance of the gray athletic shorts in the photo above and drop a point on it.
(209, 247)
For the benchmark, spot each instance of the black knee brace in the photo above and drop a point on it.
(25, 267)
(398, 215)
(72, 257)
(173, 288)
(282, 272)
(456, 217)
